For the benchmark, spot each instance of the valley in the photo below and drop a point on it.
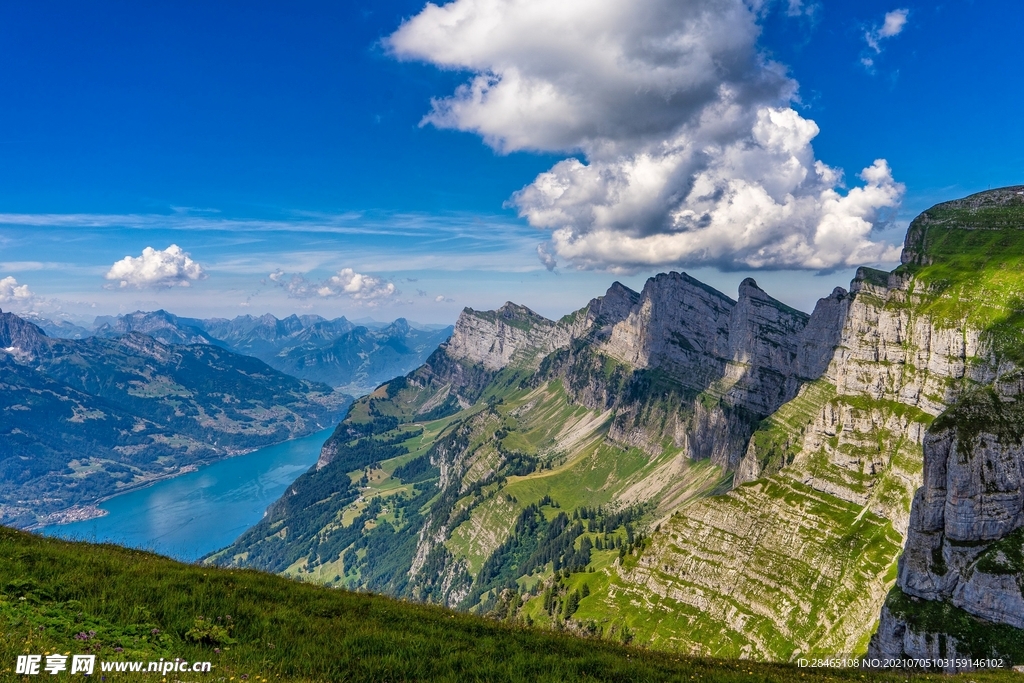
(84, 420)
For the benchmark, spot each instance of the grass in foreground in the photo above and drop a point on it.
(133, 605)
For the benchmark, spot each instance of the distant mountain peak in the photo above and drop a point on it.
(18, 333)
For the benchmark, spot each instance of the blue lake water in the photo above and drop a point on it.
(196, 513)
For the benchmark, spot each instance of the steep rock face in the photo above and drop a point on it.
(604, 312)
(965, 545)
(744, 351)
(494, 339)
(747, 354)
(697, 367)
(823, 333)
(677, 323)
(840, 459)
(894, 368)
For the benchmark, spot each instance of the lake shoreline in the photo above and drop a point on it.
(83, 512)
(194, 510)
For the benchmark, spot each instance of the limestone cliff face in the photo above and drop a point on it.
(965, 544)
(494, 339)
(746, 357)
(691, 365)
(847, 446)
(894, 368)
(743, 351)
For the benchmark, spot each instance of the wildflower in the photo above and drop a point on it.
(155, 632)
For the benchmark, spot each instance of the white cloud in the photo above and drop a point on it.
(690, 151)
(157, 269)
(356, 286)
(892, 25)
(346, 283)
(13, 293)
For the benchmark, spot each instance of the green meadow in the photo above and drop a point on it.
(131, 605)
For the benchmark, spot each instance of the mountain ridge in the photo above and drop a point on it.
(724, 477)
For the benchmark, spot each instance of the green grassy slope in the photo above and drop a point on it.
(966, 256)
(280, 630)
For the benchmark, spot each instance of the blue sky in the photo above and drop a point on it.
(282, 147)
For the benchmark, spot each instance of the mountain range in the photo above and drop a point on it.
(716, 476)
(354, 357)
(87, 419)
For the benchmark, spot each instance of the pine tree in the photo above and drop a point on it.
(572, 604)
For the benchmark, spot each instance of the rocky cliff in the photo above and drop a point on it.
(495, 339)
(684, 362)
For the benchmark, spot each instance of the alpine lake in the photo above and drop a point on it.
(189, 516)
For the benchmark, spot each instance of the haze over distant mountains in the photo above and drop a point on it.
(81, 420)
(353, 355)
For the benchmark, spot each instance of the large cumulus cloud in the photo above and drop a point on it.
(688, 149)
(157, 269)
(13, 293)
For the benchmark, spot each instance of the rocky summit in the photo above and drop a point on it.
(718, 476)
